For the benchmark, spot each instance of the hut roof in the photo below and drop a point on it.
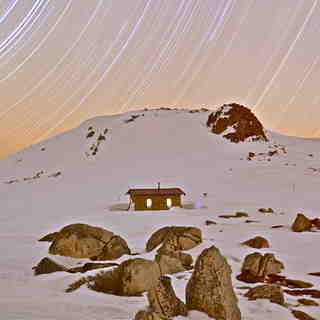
(156, 191)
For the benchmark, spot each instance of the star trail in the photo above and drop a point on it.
(64, 61)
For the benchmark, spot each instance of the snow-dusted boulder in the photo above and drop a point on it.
(210, 288)
(236, 123)
(85, 241)
(175, 238)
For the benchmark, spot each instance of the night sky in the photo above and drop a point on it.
(64, 61)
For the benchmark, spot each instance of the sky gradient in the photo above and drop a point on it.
(64, 61)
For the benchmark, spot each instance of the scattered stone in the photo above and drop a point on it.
(236, 215)
(91, 266)
(308, 302)
(209, 222)
(131, 278)
(313, 293)
(283, 281)
(266, 210)
(270, 292)
(49, 237)
(210, 288)
(114, 249)
(316, 274)
(242, 123)
(174, 262)
(302, 315)
(251, 221)
(163, 300)
(301, 223)
(46, 265)
(277, 226)
(257, 243)
(257, 267)
(175, 238)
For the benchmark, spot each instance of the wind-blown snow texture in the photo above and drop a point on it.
(60, 181)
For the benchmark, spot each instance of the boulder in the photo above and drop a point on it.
(175, 238)
(84, 241)
(301, 223)
(266, 210)
(131, 278)
(47, 265)
(148, 315)
(257, 267)
(270, 292)
(173, 262)
(210, 290)
(49, 237)
(237, 123)
(301, 315)
(257, 243)
(308, 302)
(163, 300)
(114, 249)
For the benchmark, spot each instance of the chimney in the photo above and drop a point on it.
(158, 186)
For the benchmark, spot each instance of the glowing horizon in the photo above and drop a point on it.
(63, 62)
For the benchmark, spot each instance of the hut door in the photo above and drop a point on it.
(169, 202)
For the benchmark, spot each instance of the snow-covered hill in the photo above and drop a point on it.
(83, 175)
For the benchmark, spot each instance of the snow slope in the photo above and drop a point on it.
(59, 182)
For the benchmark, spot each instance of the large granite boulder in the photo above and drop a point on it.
(131, 278)
(236, 123)
(257, 267)
(85, 241)
(175, 238)
(210, 288)
(163, 300)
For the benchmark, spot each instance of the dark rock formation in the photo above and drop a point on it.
(301, 315)
(308, 302)
(239, 122)
(46, 265)
(210, 288)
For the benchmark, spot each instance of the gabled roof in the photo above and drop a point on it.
(156, 191)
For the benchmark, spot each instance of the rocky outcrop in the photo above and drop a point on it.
(174, 238)
(301, 223)
(131, 278)
(257, 243)
(47, 265)
(308, 302)
(236, 123)
(270, 292)
(173, 262)
(210, 288)
(257, 267)
(163, 300)
(85, 241)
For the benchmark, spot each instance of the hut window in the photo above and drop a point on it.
(169, 202)
(149, 203)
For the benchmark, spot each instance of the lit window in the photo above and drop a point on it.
(169, 203)
(149, 203)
